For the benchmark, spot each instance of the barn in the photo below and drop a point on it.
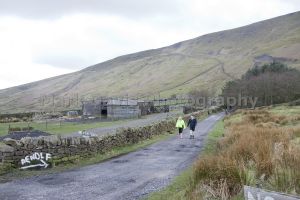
(111, 108)
(123, 108)
(97, 108)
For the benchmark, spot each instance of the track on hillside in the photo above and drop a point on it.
(206, 56)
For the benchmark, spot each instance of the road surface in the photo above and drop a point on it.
(132, 176)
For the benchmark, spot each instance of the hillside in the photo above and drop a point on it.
(207, 61)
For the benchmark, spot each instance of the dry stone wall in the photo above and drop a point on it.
(14, 153)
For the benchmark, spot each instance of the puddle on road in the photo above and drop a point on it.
(120, 161)
(131, 181)
(10, 194)
(141, 154)
(153, 149)
(54, 180)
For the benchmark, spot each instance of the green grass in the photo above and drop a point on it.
(235, 117)
(183, 183)
(56, 127)
(177, 189)
(286, 110)
(97, 158)
(213, 136)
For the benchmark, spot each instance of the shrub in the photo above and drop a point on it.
(215, 170)
(15, 129)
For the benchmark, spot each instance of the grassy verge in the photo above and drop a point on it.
(176, 190)
(259, 147)
(212, 138)
(182, 184)
(97, 158)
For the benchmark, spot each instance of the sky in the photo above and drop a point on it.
(41, 39)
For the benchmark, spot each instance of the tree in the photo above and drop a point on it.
(271, 84)
(199, 97)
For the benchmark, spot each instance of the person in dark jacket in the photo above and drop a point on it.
(192, 123)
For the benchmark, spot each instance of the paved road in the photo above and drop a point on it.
(131, 176)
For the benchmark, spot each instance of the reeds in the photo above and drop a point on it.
(258, 150)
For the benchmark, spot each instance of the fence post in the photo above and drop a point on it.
(159, 99)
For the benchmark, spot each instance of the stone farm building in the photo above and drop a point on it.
(112, 108)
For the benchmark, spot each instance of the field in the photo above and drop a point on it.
(250, 147)
(57, 127)
(64, 127)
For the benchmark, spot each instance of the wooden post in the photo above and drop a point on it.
(53, 106)
(77, 100)
(101, 103)
(127, 106)
(159, 99)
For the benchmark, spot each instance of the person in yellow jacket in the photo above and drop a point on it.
(180, 124)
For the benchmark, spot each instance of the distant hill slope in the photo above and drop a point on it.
(207, 61)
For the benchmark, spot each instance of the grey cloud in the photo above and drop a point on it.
(57, 8)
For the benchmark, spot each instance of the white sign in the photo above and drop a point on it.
(42, 158)
(251, 193)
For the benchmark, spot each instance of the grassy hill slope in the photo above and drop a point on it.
(207, 62)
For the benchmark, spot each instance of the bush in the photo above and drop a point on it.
(214, 170)
(16, 129)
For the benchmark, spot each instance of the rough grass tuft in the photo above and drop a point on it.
(262, 148)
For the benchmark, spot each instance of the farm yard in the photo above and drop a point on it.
(94, 115)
